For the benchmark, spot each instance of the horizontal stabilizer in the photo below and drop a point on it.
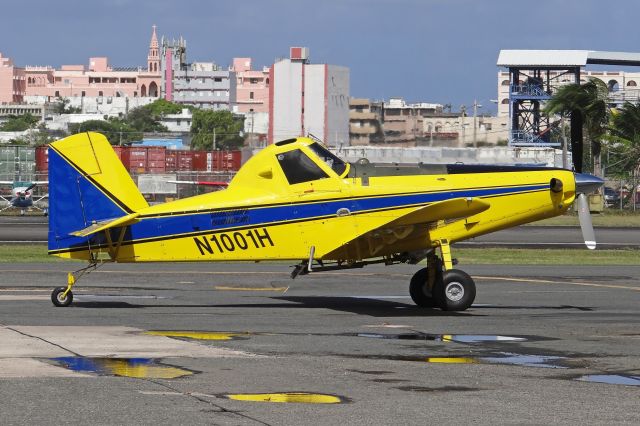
(107, 224)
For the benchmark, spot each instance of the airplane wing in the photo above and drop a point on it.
(106, 224)
(370, 242)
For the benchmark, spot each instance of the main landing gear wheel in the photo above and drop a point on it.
(455, 292)
(419, 289)
(59, 298)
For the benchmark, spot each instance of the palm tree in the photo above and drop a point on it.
(624, 152)
(586, 103)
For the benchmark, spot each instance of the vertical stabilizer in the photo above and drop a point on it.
(87, 184)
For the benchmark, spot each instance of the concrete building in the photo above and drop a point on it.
(307, 98)
(252, 87)
(456, 130)
(12, 82)
(404, 123)
(200, 84)
(365, 122)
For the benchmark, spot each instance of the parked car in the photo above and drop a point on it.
(611, 197)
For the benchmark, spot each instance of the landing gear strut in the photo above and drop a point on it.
(439, 285)
(63, 296)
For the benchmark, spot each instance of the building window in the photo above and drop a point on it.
(505, 101)
(631, 83)
(253, 80)
(217, 79)
(250, 95)
(83, 94)
(57, 95)
(100, 93)
(505, 82)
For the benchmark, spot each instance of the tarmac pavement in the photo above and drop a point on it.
(173, 344)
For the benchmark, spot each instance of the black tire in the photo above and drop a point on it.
(456, 291)
(419, 290)
(58, 300)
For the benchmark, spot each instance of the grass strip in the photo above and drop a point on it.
(34, 253)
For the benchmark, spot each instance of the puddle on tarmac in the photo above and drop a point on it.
(612, 379)
(288, 397)
(506, 358)
(458, 338)
(139, 368)
(543, 361)
(199, 335)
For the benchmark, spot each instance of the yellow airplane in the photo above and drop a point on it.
(295, 200)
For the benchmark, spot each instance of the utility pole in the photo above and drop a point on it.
(214, 139)
(476, 105)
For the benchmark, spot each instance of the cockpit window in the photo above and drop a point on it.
(336, 164)
(298, 167)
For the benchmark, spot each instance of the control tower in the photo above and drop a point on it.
(534, 76)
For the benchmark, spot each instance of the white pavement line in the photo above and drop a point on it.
(16, 345)
(538, 281)
(18, 297)
(124, 342)
(11, 368)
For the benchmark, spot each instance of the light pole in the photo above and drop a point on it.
(476, 105)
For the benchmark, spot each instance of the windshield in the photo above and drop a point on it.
(336, 164)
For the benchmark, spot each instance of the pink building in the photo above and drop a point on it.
(98, 79)
(12, 82)
(252, 88)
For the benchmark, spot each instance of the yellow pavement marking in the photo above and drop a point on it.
(196, 335)
(461, 360)
(296, 397)
(538, 281)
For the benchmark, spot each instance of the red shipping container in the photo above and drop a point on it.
(42, 158)
(134, 159)
(224, 160)
(171, 161)
(199, 160)
(118, 151)
(184, 161)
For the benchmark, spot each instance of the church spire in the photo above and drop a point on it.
(153, 59)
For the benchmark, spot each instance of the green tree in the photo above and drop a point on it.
(587, 101)
(162, 107)
(101, 126)
(19, 123)
(61, 106)
(624, 141)
(223, 125)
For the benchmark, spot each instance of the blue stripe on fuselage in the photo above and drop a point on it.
(150, 228)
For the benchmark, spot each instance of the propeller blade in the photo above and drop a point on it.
(588, 234)
(30, 187)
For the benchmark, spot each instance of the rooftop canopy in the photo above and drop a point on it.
(564, 58)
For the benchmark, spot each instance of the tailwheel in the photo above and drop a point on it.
(419, 289)
(455, 292)
(61, 297)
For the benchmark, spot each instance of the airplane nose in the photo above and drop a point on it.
(586, 183)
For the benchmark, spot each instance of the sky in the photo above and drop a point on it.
(442, 51)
